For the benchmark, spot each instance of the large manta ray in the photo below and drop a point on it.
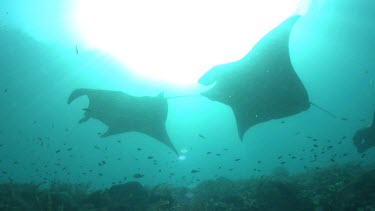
(125, 113)
(262, 85)
(364, 138)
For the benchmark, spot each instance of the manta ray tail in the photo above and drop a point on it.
(322, 109)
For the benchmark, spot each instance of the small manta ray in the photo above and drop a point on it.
(364, 138)
(125, 113)
(262, 85)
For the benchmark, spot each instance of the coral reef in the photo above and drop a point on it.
(348, 187)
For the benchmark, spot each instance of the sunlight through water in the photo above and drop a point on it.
(177, 41)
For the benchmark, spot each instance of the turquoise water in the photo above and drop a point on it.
(332, 50)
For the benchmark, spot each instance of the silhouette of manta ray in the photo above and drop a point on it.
(262, 85)
(364, 138)
(259, 87)
(125, 113)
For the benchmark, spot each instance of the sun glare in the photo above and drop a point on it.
(177, 41)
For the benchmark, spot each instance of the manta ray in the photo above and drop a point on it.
(262, 85)
(259, 87)
(364, 138)
(123, 113)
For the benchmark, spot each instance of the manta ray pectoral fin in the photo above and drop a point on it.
(106, 134)
(160, 133)
(84, 119)
(110, 131)
(76, 94)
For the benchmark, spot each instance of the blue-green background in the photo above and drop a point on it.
(332, 49)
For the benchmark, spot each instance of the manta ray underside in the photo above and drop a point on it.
(262, 85)
(125, 113)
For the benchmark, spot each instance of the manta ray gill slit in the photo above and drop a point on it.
(176, 41)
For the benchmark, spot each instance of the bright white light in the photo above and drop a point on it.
(182, 157)
(177, 41)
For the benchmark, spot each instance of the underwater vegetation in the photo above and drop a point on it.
(344, 187)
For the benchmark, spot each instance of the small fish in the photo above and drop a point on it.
(364, 155)
(208, 153)
(5, 90)
(194, 171)
(344, 137)
(218, 154)
(69, 149)
(202, 136)
(332, 160)
(76, 49)
(282, 122)
(344, 119)
(139, 149)
(259, 161)
(283, 162)
(150, 157)
(315, 145)
(279, 157)
(137, 176)
(57, 151)
(238, 159)
(345, 154)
